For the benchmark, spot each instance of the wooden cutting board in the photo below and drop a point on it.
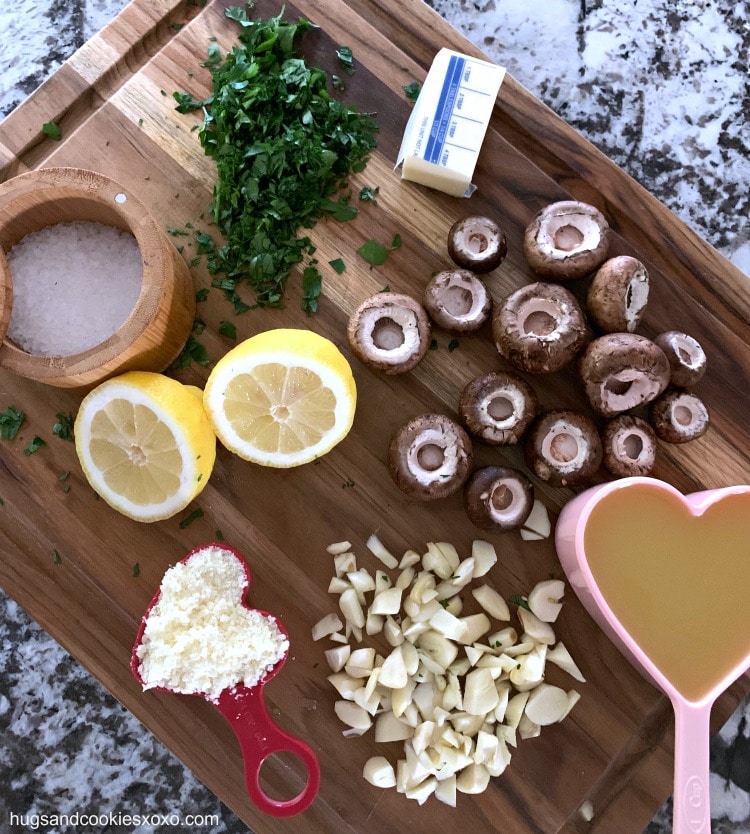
(113, 103)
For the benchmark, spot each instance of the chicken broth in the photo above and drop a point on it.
(677, 583)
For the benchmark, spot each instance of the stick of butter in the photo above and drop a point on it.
(446, 128)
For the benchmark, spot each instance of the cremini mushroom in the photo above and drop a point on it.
(686, 357)
(563, 448)
(498, 498)
(679, 415)
(621, 371)
(390, 332)
(539, 328)
(498, 407)
(567, 239)
(629, 446)
(618, 294)
(477, 243)
(430, 457)
(457, 300)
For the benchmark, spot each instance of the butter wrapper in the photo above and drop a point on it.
(447, 126)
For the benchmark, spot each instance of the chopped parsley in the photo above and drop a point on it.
(226, 328)
(411, 90)
(369, 194)
(11, 421)
(346, 57)
(52, 131)
(63, 427)
(312, 283)
(191, 517)
(283, 148)
(520, 601)
(56, 557)
(35, 444)
(136, 569)
(338, 266)
(373, 252)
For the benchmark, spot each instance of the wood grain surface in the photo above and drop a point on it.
(615, 749)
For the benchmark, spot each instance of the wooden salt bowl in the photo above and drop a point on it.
(154, 333)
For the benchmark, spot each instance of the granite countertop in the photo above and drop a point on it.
(661, 87)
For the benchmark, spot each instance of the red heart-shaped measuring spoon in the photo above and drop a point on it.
(245, 710)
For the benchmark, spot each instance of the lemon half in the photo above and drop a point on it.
(281, 398)
(145, 444)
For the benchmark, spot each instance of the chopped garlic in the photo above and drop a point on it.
(457, 689)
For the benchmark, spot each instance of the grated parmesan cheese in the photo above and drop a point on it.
(199, 639)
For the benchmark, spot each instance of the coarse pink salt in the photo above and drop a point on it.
(74, 284)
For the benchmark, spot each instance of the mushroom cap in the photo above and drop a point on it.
(563, 448)
(457, 300)
(621, 371)
(430, 457)
(686, 357)
(390, 332)
(618, 294)
(566, 239)
(539, 328)
(477, 243)
(678, 416)
(498, 407)
(629, 446)
(498, 498)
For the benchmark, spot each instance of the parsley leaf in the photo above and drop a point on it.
(369, 194)
(191, 517)
(520, 601)
(338, 266)
(226, 328)
(63, 428)
(373, 252)
(193, 351)
(52, 131)
(311, 285)
(344, 54)
(11, 421)
(412, 89)
(35, 444)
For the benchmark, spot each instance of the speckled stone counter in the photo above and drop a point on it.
(661, 87)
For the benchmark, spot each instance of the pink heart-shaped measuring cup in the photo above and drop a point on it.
(245, 710)
(685, 550)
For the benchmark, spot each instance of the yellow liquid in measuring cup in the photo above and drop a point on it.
(679, 584)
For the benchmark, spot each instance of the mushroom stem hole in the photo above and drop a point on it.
(616, 386)
(539, 323)
(632, 445)
(476, 242)
(682, 415)
(563, 447)
(500, 407)
(457, 301)
(502, 497)
(431, 457)
(387, 334)
(567, 238)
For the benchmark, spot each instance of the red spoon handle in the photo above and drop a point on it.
(259, 737)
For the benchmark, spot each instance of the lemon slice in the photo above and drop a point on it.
(281, 398)
(145, 444)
